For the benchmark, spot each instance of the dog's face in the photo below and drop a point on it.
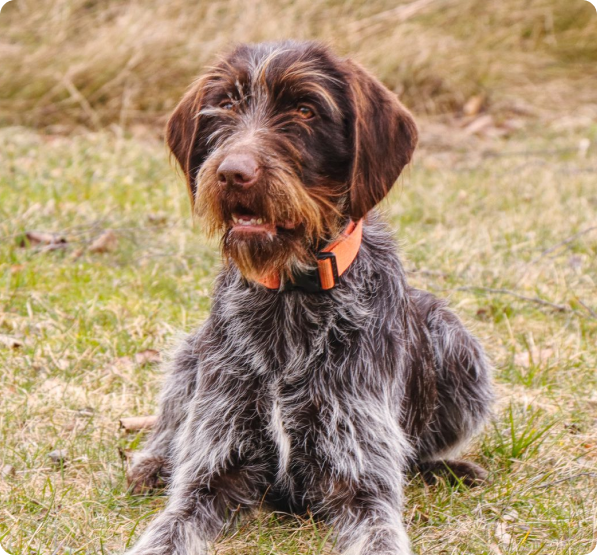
(281, 144)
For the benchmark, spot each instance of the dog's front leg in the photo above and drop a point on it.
(216, 472)
(152, 466)
(370, 524)
(197, 512)
(361, 489)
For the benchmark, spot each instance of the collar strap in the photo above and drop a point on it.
(332, 262)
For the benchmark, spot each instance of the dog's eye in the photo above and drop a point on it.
(227, 105)
(305, 112)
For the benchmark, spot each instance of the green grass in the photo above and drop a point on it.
(477, 225)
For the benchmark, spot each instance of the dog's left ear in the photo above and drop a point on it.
(385, 137)
(181, 135)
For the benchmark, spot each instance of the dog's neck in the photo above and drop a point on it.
(332, 262)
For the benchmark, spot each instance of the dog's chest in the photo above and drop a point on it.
(298, 357)
(290, 427)
(281, 438)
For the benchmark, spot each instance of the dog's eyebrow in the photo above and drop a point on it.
(320, 92)
(225, 77)
(305, 69)
(304, 79)
(212, 111)
(303, 76)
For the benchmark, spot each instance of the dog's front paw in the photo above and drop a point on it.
(147, 473)
(170, 534)
(380, 540)
(469, 473)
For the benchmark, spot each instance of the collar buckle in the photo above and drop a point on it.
(310, 281)
(331, 256)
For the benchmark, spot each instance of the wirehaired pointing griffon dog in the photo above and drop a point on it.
(320, 377)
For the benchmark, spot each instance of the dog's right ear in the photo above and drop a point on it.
(181, 135)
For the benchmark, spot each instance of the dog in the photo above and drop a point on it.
(320, 377)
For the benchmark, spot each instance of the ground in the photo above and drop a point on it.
(505, 229)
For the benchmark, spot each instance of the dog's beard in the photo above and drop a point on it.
(258, 256)
(292, 221)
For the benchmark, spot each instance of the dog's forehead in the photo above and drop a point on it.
(290, 66)
(269, 76)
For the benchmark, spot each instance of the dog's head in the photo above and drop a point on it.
(281, 144)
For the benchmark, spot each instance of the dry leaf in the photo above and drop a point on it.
(535, 356)
(149, 356)
(86, 412)
(513, 124)
(502, 535)
(479, 125)
(77, 254)
(69, 426)
(7, 471)
(106, 242)
(473, 105)
(583, 147)
(573, 428)
(123, 363)
(511, 515)
(10, 342)
(158, 218)
(40, 238)
(58, 456)
(575, 262)
(136, 423)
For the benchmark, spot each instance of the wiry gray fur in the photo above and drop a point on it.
(319, 401)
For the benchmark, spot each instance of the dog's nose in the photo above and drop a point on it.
(238, 170)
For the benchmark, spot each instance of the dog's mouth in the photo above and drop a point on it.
(244, 220)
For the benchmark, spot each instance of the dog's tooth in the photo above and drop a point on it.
(235, 219)
(260, 221)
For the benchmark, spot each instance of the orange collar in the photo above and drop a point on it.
(332, 262)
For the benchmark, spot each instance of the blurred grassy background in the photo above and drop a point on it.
(99, 62)
(498, 213)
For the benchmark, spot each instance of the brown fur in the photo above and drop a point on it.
(383, 136)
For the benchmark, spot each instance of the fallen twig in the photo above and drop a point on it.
(137, 423)
(539, 152)
(587, 307)
(574, 476)
(537, 300)
(563, 243)
(42, 240)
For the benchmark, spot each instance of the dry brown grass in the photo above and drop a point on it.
(95, 63)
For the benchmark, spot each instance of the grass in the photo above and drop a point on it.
(92, 63)
(500, 229)
(505, 229)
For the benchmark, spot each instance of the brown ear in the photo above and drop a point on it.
(181, 135)
(385, 137)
